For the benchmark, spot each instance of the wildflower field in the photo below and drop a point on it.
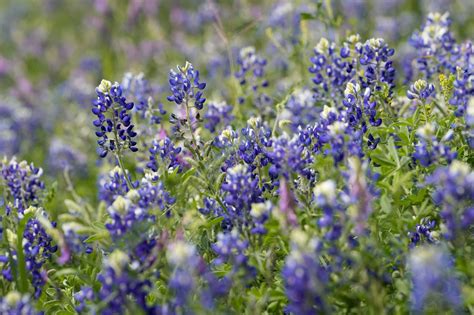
(300, 157)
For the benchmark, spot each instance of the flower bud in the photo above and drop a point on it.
(104, 86)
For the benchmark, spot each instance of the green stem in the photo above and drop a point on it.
(118, 153)
(328, 6)
(219, 201)
(23, 281)
(10, 255)
(440, 109)
(70, 186)
(425, 112)
(385, 105)
(276, 123)
(119, 159)
(193, 138)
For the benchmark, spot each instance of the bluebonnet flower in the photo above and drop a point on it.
(76, 88)
(231, 249)
(289, 156)
(9, 144)
(335, 136)
(182, 257)
(420, 90)
(305, 278)
(114, 185)
(329, 114)
(74, 242)
(434, 44)
(333, 209)
(241, 189)
(152, 194)
(64, 156)
(13, 303)
(23, 193)
(7, 270)
(284, 27)
(357, 105)
(218, 114)
(115, 130)
(132, 210)
(429, 149)
(372, 142)
(375, 56)
(301, 109)
(212, 207)
(341, 132)
(470, 123)
(454, 194)
(249, 61)
(284, 19)
(332, 68)
(124, 216)
(191, 276)
(317, 136)
(119, 283)
(215, 289)
(194, 20)
(38, 247)
(137, 88)
(25, 187)
(439, 53)
(253, 139)
(185, 86)
(408, 71)
(251, 74)
(226, 139)
(17, 126)
(82, 296)
(260, 212)
(435, 287)
(423, 233)
(167, 152)
(422, 154)
(464, 82)
(154, 117)
(367, 64)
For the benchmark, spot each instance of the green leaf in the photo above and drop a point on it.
(65, 272)
(100, 236)
(386, 204)
(23, 280)
(307, 16)
(72, 205)
(382, 160)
